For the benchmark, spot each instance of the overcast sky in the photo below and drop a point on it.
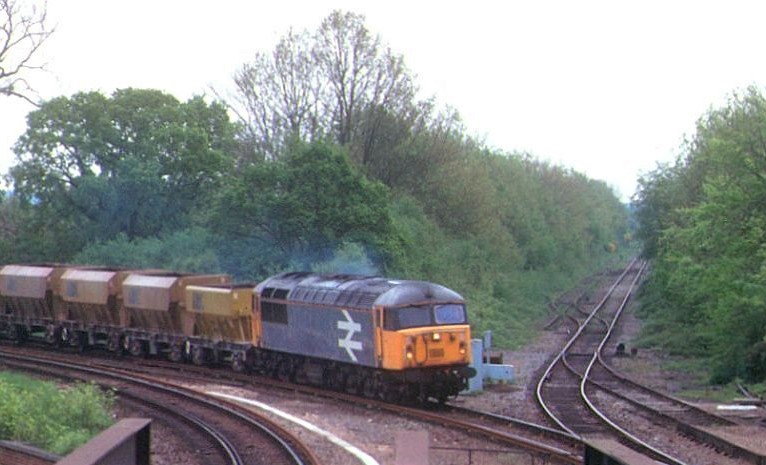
(607, 88)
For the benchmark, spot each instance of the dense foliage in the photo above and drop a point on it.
(354, 177)
(54, 419)
(703, 221)
(136, 163)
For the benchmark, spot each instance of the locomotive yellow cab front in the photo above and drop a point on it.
(428, 335)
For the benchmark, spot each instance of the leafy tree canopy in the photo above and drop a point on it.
(137, 162)
(704, 222)
(304, 205)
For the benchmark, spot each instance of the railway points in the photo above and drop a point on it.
(510, 436)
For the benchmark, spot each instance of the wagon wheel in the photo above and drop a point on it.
(237, 362)
(79, 340)
(176, 353)
(51, 334)
(282, 372)
(422, 396)
(341, 377)
(328, 379)
(136, 348)
(413, 394)
(74, 338)
(392, 393)
(198, 355)
(17, 333)
(113, 342)
(354, 383)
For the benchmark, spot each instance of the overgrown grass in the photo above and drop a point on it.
(693, 375)
(54, 418)
(721, 393)
(757, 389)
(696, 373)
(699, 369)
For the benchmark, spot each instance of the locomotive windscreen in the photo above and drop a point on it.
(424, 315)
(449, 314)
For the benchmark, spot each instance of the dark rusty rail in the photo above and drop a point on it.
(288, 443)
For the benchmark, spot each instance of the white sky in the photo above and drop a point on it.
(607, 88)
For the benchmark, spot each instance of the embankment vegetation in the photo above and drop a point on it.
(703, 223)
(54, 418)
(322, 158)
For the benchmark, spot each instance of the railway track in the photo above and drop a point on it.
(588, 399)
(540, 441)
(554, 446)
(223, 432)
(581, 372)
(505, 433)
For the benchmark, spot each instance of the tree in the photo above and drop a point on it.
(402, 149)
(278, 95)
(340, 83)
(709, 240)
(188, 251)
(360, 73)
(138, 162)
(303, 206)
(22, 32)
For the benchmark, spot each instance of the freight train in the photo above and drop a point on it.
(398, 340)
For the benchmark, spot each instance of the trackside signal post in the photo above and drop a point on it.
(485, 371)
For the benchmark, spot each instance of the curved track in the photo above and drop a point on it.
(558, 391)
(552, 445)
(231, 430)
(584, 396)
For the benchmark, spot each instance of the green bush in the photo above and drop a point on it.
(50, 417)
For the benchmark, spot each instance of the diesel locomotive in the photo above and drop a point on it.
(398, 340)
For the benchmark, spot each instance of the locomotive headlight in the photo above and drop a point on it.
(463, 349)
(436, 337)
(409, 353)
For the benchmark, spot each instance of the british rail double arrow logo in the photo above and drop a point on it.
(351, 327)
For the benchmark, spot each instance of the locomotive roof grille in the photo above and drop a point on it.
(351, 291)
(274, 293)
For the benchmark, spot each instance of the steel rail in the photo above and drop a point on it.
(562, 353)
(584, 381)
(700, 434)
(502, 436)
(624, 379)
(220, 438)
(540, 429)
(562, 357)
(265, 427)
(417, 413)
